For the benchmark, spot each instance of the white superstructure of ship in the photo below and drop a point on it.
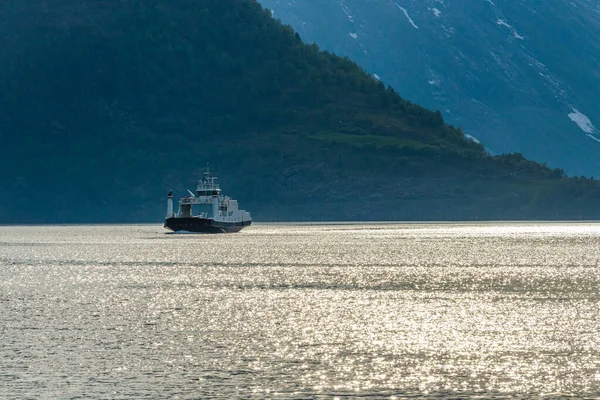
(207, 211)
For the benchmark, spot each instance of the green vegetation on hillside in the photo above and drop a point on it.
(104, 106)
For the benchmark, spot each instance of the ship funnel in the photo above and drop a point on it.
(170, 205)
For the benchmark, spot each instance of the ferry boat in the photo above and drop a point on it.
(207, 211)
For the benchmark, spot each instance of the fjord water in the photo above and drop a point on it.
(300, 311)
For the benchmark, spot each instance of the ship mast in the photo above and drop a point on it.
(208, 186)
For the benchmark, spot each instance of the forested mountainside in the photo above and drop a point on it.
(105, 106)
(520, 76)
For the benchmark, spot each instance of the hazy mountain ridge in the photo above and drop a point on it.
(518, 75)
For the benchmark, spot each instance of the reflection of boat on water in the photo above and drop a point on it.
(208, 212)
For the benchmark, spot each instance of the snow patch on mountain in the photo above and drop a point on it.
(502, 22)
(582, 121)
(407, 16)
(347, 12)
(471, 137)
(593, 137)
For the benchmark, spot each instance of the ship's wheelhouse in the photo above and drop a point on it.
(209, 192)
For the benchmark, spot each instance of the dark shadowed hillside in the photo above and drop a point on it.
(106, 105)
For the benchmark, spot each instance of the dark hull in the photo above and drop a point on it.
(203, 225)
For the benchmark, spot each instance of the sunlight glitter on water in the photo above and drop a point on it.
(490, 310)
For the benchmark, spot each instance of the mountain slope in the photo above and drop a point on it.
(518, 75)
(105, 106)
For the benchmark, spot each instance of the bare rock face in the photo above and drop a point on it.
(519, 76)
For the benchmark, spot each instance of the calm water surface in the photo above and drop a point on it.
(300, 311)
